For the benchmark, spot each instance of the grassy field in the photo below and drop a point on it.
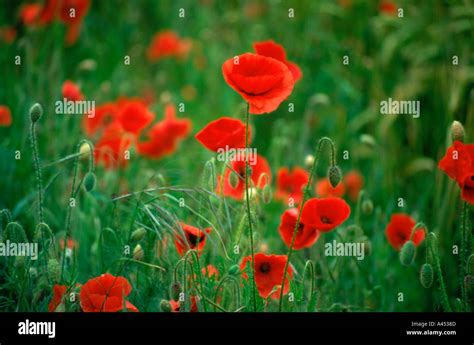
(353, 55)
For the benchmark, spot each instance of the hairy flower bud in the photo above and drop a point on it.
(426, 275)
(165, 306)
(138, 253)
(407, 253)
(234, 270)
(138, 235)
(367, 207)
(457, 131)
(334, 175)
(89, 181)
(36, 111)
(267, 194)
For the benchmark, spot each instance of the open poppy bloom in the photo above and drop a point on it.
(194, 238)
(5, 116)
(258, 167)
(165, 135)
(306, 235)
(325, 214)
(324, 189)
(134, 116)
(106, 293)
(458, 164)
(399, 231)
(354, 182)
(71, 91)
(291, 184)
(112, 146)
(262, 81)
(269, 274)
(225, 131)
(271, 49)
(29, 13)
(7, 34)
(104, 114)
(57, 299)
(167, 43)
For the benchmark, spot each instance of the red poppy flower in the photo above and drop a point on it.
(71, 91)
(210, 271)
(176, 305)
(72, 11)
(306, 235)
(324, 189)
(222, 132)
(5, 116)
(168, 44)
(30, 13)
(134, 116)
(271, 49)
(388, 7)
(354, 182)
(57, 299)
(325, 214)
(193, 239)
(458, 164)
(49, 11)
(291, 184)
(111, 147)
(104, 114)
(263, 82)
(71, 244)
(7, 34)
(165, 135)
(106, 293)
(269, 274)
(258, 166)
(72, 33)
(399, 231)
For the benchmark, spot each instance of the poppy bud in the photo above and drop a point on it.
(15, 233)
(267, 194)
(367, 207)
(138, 253)
(407, 253)
(309, 161)
(165, 306)
(138, 235)
(175, 290)
(334, 175)
(43, 231)
(89, 181)
(470, 264)
(457, 131)
(35, 112)
(54, 270)
(426, 275)
(234, 270)
(84, 150)
(367, 140)
(233, 179)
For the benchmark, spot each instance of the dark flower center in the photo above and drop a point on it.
(265, 267)
(325, 220)
(300, 228)
(194, 240)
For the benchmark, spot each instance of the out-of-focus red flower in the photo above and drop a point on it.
(258, 166)
(262, 81)
(399, 231)
(388, 7)
(106, 293)
(167, 43)
(30, 13)
(57, 299)
(194, 238)
(354, 182)
(71, 91)
(269, 274)
(458, 164)
(325, 214)
(7, 34)
(176, 305)
(210, 271)
(111, 147)
(73, 11)
(271, 49)
(134, 116)
(165, 135)
(224, 131)
(104, 115)
(306, 235)
(324, 189)
(291, 184)
(5, 116)
(71, 244)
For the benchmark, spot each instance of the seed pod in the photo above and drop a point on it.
(457, 131)
(138, 235)
(234, 270)
(165, 306)
(138, 252)
(54, 270)
(426, 275)
(89, 181)
(233, 179)
(407, 253)
(367, 207)
(334, 175)
(267, 194)
(36, 111)
(175, 290)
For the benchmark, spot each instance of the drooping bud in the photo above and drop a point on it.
(234, 270)
(407, 253)
(165, 306)
(233, 179)
(138, 235)
(54, 269)
(334, 175)
(84, 150)
(267, 193)
(138, 252)
(36, 111)
(15, 233)
(457, 131)
(426, 275)
(367, 207)
(89, 181)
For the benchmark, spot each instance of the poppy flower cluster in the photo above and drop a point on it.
(121, 124)
(351, 185)
(458, 164)
(105, 293)
(399, 231)
(167, 44)
(318, 215)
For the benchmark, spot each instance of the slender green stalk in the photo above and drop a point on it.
(249, 216)
(39, 181)
(462, 268)
(442, 286)
(305, 195)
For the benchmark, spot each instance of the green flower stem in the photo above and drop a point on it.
(462, 268)
(219, 287)
(305, 195)
(195, 256)
(39, 181)
(442, 286)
